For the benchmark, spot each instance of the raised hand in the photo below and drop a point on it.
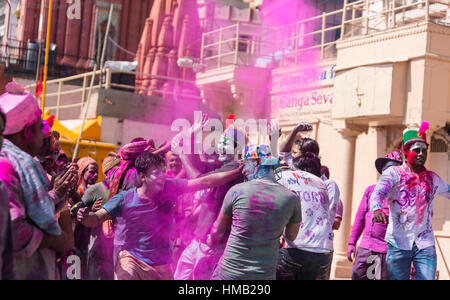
(303, 127)
(65, 181)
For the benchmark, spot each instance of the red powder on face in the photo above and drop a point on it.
(410, 155)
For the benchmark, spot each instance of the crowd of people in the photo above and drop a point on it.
(239, 213)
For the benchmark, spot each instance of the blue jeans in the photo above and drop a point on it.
(399, 263)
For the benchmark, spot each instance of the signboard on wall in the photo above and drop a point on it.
(303, 102)
(296, 80)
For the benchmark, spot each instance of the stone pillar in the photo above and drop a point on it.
(61, 29)
(88, 18)
(34, 20)
(160, 64)
(172, 71)
(72, 41)
(26, 27)
(151, 55)
(124, 18)
(133, 26)
(92, 34)
(142, 52)
(343, 175)
(184, 47)
(42, 34)
(178, 19)
(7, 28)
(157, 15)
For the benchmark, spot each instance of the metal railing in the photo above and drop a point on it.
(72, 92)
(249, 45)
(395, 13)
(22, 56)
(238, 44)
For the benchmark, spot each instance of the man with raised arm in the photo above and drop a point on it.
(143, 218)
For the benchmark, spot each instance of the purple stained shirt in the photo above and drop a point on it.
(373, 238)
(144, 227)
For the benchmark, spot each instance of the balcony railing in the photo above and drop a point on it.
(252, 45)
(23, 56)
(72, 92)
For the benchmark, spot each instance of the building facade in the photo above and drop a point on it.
(359, 71)
(76, 34)
(361, 74)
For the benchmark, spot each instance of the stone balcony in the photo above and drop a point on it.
(395, 76)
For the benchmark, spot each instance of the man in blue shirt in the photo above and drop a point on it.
(143, 218)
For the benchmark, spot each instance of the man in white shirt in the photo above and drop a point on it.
(308, 256)
(410, 190)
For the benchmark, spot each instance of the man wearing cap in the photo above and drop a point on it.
(410, 190)
(258, 212)
(373, 248)
(37, 235)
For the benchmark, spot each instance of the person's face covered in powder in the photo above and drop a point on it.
(417, 154)
(90, 176)
(154, 179)
(225, 149)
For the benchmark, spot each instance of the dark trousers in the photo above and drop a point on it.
(369, 265)
(296, 264)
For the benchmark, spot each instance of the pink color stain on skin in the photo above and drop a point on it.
(410, 155)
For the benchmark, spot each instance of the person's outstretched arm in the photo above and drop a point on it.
(91, 219)
(213, 180)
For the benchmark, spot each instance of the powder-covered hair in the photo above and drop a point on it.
(147, 161)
